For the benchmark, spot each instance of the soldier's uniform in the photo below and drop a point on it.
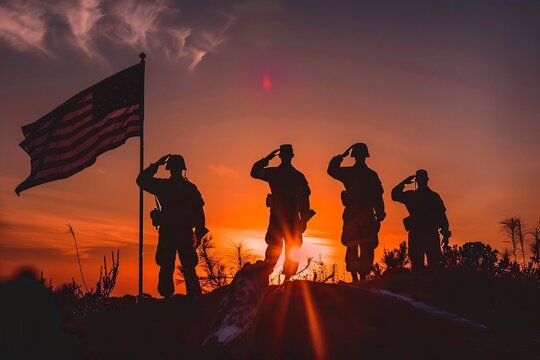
(364, 208)
(427, 217)
(289, 203)
(182, 210)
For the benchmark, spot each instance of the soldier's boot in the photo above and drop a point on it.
(165, 281)
(193, 287)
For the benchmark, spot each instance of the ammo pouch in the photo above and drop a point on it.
(269, 200)
(408, 223)
(156, 215)
(344, 198)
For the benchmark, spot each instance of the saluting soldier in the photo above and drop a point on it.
(364, 209)
(181, 222)
(427, 217)
(289, 207)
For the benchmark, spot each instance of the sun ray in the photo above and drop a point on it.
(315, 329)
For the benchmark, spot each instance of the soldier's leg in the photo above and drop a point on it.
(274, 240)
(368, 243)
(351, 260)
(165, 257)
(293, 240)
(189, 260)
(349, 238)
(367, 255)
(416, 252)
(433, 252)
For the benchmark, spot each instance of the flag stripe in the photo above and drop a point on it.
(70, 120)
(68, 143)
(76, 164)
(69, 115)
(85, 144)
(33, 148)
(33, 181)
(56, 134)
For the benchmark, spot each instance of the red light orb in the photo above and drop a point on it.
(266, 82)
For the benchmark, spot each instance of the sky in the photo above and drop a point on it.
(449, 86)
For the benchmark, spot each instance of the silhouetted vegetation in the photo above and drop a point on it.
(216, 265)
(396, 258)
(315, 270)
(512, 228)
(534, 245)
(76, 303)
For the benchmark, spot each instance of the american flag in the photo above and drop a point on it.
(72, 136)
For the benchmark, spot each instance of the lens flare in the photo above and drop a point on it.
(266, 82)
(295, 254)
(315, 328)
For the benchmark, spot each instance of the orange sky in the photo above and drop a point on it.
(453, 90)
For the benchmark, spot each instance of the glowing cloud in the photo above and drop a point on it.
(87, 25)
(81, 17)
(23, 27)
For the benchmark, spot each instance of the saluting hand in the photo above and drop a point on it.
(346, 153)
(272, 154)
(163, 160)
(409, 180)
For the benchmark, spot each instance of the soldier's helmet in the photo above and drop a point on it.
(286, 150)
(421, 175)
(359, 150)
(176, 162)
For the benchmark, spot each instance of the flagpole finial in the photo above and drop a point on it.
(142, 56)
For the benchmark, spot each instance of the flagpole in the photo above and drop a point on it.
(142, 56)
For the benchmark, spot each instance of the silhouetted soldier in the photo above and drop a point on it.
(289, 207)
(427, 216)
(364, 209)
(181, 212)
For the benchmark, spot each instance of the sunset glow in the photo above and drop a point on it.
(233, 83)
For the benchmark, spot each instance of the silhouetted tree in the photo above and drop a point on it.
(508, 268)
(451, 256)
(534, 245)
(479, 256)
(376, 272)
(212, 264)
(241, 255)
(521, 238)
(509, 228)
(396, 258)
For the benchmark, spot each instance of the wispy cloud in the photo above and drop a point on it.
(81, 16)
(224, 170)
(23, 26)
(158, 27)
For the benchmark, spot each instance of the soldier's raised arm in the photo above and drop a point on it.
(334, 167)
(146, 180)
(257, 170)
(397, 192)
